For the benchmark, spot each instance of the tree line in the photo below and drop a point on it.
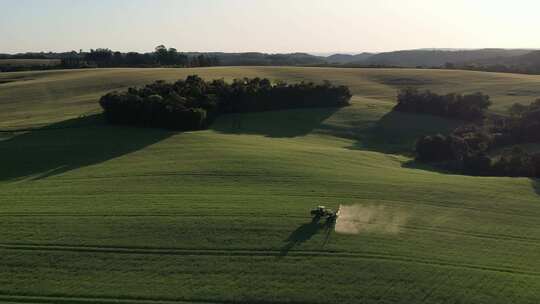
(193, 103)
(162, 56)
(107, 58)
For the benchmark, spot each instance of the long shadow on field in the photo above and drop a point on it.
(396, 132)
(535, 182)
(279, 124)
(413, 164)
(305, 232)
(69, 145)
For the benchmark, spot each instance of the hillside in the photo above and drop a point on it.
(347, 58)
(438, 58)
(99, 213)
(528, 63)
(494, 60)
(37, 98)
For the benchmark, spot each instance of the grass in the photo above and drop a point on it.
(96, 213)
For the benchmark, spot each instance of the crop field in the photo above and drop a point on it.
(93, 213)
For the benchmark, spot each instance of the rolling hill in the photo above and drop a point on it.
(107, 214)
(37, 98)
(438, 58)
(347, 58)
(527, 63)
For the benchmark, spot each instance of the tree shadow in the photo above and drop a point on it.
(305, 232)
(397, 132)
(68, 145)
(278, 124)
(439, 168)
(535, 183)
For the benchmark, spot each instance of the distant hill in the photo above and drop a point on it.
(438, 58)
(531, 58)
(347, 58)
(254, 58)
(528, 63)
(497, 60)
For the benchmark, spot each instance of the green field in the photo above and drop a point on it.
(103, 214)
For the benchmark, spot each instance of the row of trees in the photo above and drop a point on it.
(465, 107)
(193, 103)
(162, 56)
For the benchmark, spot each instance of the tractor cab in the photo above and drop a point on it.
(323, 212)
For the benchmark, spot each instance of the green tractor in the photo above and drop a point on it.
(323, 212)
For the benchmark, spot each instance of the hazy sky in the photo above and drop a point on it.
(267, 25)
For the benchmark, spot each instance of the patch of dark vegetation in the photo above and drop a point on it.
(193, 103)
(464, 107)
(472, 149)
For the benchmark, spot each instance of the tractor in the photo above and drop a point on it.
(323, 212)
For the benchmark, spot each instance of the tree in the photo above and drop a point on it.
(102, 57)
(170, 56)
(514, 162)
(161, 54)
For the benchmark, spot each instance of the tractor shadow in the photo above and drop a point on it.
(68, 145)
(305, 232)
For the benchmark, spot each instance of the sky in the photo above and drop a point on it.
(273, 26)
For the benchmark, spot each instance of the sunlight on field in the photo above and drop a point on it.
(222, 215)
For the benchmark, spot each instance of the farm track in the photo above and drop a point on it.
(263, 253)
